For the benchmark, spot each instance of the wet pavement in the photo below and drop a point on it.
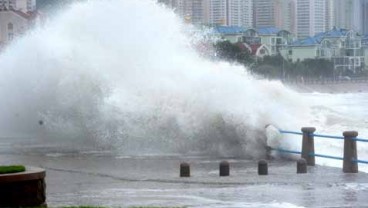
(109, 179)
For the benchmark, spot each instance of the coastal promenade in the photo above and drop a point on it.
(107, 178)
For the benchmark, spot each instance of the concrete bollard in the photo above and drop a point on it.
(350, 152)
(224, 168)
(184, 170)
(308, 145)
(301, 166)
(262, 167)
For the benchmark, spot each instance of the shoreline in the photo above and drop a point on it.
(330, 88)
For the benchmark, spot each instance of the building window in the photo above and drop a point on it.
(10, 31)
(10, 26)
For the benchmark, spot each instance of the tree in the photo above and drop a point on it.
(225, 50)
(273, 67)
(315, 68)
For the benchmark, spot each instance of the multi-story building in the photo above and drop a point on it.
(259, 42)
(311, 17)
(247, 13)
(14, 23)
(22, 5)
(214, 12)
(190, 10)
(16, 17)
(196, 12)
(169, 3)
(348, 14)
(228, 12)
(342, 46)
(364, 7)
(239, 13)
(275, 13)
(286, 19)
(330, 14)
(264, 13)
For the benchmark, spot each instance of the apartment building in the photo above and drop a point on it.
(311, 17)
(364, 7)
(239, 13)
(22, 5)
(348, 14)
(214, 12)
(275, 13)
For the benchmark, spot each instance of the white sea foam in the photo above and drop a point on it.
(334, 113)
(125, 75)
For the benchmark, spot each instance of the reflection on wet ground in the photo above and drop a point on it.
(110, 179)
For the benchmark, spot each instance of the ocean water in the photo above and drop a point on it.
(110, 96)
(125, 77)
(334, 114)
(132, 81)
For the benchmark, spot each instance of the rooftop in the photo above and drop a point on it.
(229, 30)
(315, 40)
(267, 30)
(25, 15)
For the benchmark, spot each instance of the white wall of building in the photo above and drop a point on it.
(287, 18)
(239, 13)
(264, 13)
(348, 14)
(330, 14)
(228, 12)
(311, 17)
(11, 26)
(364, 8)
(247, 13)
(275, 13)
(215, 12)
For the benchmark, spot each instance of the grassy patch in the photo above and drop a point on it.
(12, 169)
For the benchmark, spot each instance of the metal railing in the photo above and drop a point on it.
(350, 159)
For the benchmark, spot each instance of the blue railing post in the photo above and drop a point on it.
(350, 164)
(308, 145)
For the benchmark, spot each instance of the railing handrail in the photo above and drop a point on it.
(326, 156)
(313, 154)
(322, 135)
(290, 132)
(360, 139)
(327, 136)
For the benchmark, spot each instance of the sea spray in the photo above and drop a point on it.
(124, 75)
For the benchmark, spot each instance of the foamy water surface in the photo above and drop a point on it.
(131, 82)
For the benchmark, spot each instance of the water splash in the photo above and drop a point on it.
(124, 74)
